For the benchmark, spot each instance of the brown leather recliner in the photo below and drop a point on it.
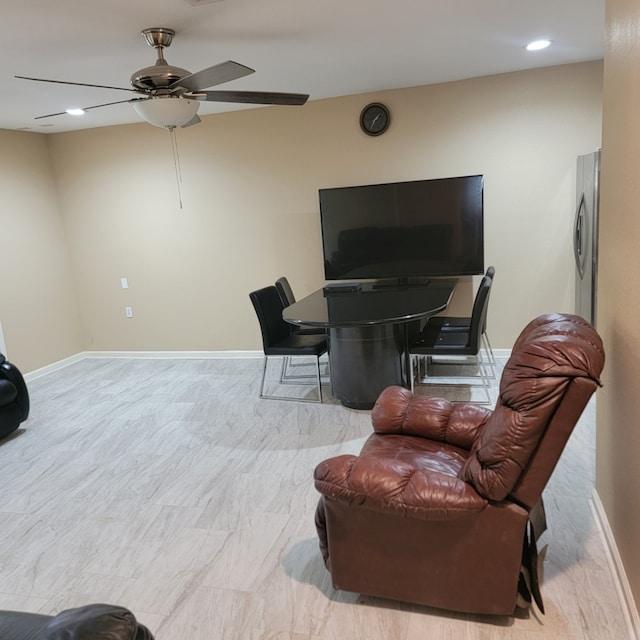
(443, 505)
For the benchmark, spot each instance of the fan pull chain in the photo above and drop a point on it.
(176, 162)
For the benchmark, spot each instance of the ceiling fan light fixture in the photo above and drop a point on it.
(167, 112)
(75, 112)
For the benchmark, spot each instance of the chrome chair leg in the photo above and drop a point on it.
(288, 376)
(317, 377)
(318, 380)
(483, 374)
(489, 349)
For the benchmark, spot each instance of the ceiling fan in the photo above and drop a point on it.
(169, 96)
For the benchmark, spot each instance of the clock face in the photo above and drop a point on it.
(374, 119)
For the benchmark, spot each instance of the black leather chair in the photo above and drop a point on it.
(429, 344)
(461, 324)
(14, 397)
(278, 340)
(90, 622)
(285, 291)
(288, 298)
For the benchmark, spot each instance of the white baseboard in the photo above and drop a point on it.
(181, 355)
(199, 355)
(623, 587)
(193, 355)
(54, 366)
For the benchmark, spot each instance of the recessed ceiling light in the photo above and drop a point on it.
(536, 45)
(75, 112)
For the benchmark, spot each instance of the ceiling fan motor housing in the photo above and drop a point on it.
(160, 75)
(158, 36)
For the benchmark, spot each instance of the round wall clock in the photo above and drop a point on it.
(375, 119)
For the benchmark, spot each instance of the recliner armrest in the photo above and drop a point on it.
(11, 373)
(399, 411)
(8, 392)
(96, 621)
(88, 622)
(394, 486)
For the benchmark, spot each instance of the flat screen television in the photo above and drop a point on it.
(416, 229)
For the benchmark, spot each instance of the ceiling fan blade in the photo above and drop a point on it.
(252, 97)
(95, 106)
(77, 84)
(212, 76)
(191, 122)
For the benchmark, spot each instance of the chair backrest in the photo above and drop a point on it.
(553, 370)
(479, 313)
(490, 273)
(269, 307)
(285, 291)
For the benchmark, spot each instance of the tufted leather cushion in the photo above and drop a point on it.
(410, 466)
(396, 486)
(550, 353)
(398, 411)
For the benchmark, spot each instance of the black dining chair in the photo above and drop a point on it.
(288, 298)
(430, 344)
(436, 324)
(279, 341)
(285, 291)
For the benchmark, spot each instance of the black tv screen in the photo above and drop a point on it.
(421, 228)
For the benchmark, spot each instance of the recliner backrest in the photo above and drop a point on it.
(553, 370)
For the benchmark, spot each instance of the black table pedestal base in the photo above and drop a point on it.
(366, 360)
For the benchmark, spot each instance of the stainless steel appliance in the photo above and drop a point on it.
(585, 235)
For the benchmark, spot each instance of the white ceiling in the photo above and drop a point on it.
(326, 49)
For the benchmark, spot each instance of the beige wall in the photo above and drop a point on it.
(250, 209)
(250, 183)
(618, 407)
(38, 306)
